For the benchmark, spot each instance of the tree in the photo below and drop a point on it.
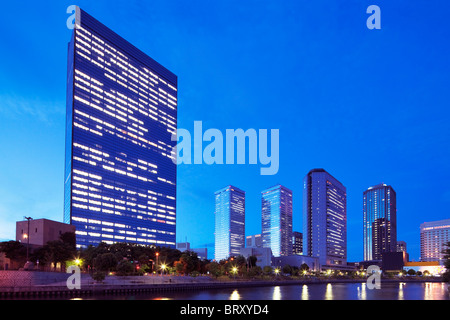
(252, 261)
(267, 270)
(215, 269)
(446, 252)
(287, 269)
(105, 262)
(14, 250)
(124, 267)
(411, 272)
(255, 271)
(56, 251)
(304, 267)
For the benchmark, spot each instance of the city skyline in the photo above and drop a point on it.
(342, 89)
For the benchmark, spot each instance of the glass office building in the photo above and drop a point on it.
(325, 219)
(229, 222)
(120, 180)
(380, 221)
(276, 215)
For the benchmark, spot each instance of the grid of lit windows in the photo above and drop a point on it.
(433, 239)
(276, 213)
(324, 218)
(229, 222)
(120, 181)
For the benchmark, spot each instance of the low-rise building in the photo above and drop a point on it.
(296, 261)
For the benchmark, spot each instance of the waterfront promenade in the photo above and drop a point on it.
(29, 284)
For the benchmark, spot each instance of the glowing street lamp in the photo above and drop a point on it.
(234, 270)
(277, 271)
(163, 267)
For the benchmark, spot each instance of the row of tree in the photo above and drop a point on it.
(129, 258)
(53, 253)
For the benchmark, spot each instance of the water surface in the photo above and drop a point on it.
(323, 291)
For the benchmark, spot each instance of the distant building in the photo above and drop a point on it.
(401, 246)
(276, 212)
(394, 261)
(297, 243)
(40, 231)
(229, 222)
(263, 255)
(296, 261)
(202, 253)
(253, 241)
(434, 268)
(183, 246)
(433, 237)
(380, 221)
(325, 219)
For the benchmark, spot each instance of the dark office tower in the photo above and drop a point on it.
(380, 221)
(120, 180)
(297, 243)
(325, 219)
(277, 220)
(381, 237)
(229, 222)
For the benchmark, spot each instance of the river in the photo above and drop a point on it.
(319, 291)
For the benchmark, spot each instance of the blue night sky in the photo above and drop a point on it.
(369, 106)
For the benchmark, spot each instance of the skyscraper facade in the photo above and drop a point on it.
(120, 180)
(380, 221)
(325, 219)
(277, 220)
(297, 243)
(433, 237)
(229, 222)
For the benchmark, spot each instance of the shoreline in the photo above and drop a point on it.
(141, 284)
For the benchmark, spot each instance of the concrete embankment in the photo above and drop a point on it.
(25, 284)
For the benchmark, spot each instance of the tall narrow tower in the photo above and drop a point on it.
(276, 219)
(229, 222)
(325, 219)
(380, 221)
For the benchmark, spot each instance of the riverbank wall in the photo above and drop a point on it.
(31, 285)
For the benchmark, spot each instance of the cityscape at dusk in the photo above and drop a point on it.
(298, 134)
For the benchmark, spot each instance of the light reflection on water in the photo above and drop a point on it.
(235, 295)
(323, 291)
(329, 292)
(276, 293)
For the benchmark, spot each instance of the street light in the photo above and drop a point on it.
(234, 271)
(28, 235)
(163, 267)
(277, 271)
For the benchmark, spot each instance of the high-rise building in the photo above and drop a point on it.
(433, 239)
(380, 221)
(229, 222)
(277, 220)
(120, 178)
(401, 246)
(297, 243)
(325, 219)
(254, 241)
